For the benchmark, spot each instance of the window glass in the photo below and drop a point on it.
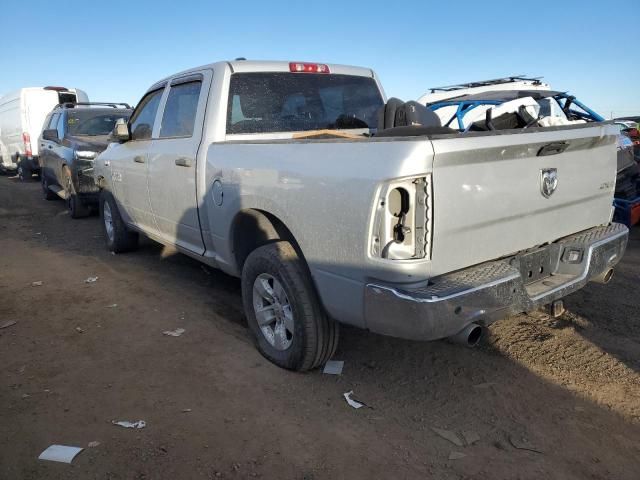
(61, 127)
(145, 115)
(286, 102)
(53, 122)
(180, 110)
(93, 122)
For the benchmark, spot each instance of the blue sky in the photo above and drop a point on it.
(116, 49)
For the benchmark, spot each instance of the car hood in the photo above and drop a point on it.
(96, 143)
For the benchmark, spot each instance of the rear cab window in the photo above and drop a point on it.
(292, 102)
(178, 118)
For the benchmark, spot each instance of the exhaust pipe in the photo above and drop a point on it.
(604, 277)
(469, 336)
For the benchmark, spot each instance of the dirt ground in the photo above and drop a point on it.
(548, 398)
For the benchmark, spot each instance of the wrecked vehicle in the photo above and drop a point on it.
(522, 102)
(74, 134)
(333, 205)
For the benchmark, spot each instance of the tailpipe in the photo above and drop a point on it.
(604, 277)
(469, 336)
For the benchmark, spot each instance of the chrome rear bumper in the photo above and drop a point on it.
(493, 290)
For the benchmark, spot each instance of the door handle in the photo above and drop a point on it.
(183, 162)
(138, 159)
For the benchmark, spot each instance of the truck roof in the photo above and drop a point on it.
(247, 66)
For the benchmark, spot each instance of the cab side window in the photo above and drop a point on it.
(144, 117)
(179, 114)
(61, 121)
(53, 122)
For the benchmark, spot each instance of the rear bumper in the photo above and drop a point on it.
(491, 291)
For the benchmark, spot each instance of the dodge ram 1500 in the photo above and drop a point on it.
(285, 175)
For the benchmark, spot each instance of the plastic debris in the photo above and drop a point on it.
(174, 333)
(522, 444)
(456, 455)
(91, 280)
(8, 324)
(93, 444)
(113, 305)
(36, 284)
(60, 453)
(449, 435)
(79, 330)
(470, 437)
(352, 402)
(186, 410)
(123, 423)
(333, 367)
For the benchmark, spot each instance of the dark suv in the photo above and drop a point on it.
(73, 136)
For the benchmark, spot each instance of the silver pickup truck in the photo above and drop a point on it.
(277, 173)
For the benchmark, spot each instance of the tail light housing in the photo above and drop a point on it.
(402, 220)
(26, 139)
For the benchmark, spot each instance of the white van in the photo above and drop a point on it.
(22, 114)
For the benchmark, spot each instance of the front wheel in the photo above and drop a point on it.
(46, 192)
(283, 311)
(77, 208)
(119, 238)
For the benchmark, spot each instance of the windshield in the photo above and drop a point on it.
(93, 123)
(293, 102)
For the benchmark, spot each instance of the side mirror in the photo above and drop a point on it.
(121, 131)
(50, 134)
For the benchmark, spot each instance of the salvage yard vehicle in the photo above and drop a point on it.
(334, 206)
(521, 102)
(74, 134)
(22, 115)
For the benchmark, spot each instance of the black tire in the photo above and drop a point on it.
(121, 239)
(46, 193)
(315, 336)
(77, 208)
(24, 173)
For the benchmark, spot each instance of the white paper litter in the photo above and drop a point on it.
(354, 403)
(113, 305)
(333, 367)
(93, 444)
(125, 424)
(449, 435)
(36, 284)
(174, 333)
(91, 280)
(60, 453)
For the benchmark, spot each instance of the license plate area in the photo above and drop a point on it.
(535, 265)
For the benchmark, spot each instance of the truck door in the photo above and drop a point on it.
(129, 163)
(172, 162)
(45, 146)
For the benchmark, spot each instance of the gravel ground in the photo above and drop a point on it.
(541, 398)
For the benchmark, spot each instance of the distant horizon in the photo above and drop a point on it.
(116, 61)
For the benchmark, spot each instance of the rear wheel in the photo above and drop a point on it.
(119, 238)
(283, 311)
(77, 209)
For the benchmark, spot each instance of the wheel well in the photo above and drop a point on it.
(253, 228)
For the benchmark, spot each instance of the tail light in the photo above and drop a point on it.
(296, 67)
(402, 220)
(26, 139)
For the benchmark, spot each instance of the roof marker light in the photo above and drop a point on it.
(297, 67)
